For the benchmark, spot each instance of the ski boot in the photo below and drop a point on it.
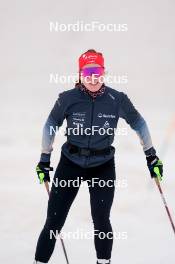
(103, 261)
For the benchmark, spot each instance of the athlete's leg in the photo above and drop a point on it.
(101, 198)
(61, 197)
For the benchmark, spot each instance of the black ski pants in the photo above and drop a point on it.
(101, 183)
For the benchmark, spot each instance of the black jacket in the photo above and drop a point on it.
(92, 123)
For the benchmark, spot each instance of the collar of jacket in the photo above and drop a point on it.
(92, 94)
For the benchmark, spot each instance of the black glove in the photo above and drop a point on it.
(43, 169)
(155, 167)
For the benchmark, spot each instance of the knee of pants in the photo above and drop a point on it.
(52, 224)
(102, 223)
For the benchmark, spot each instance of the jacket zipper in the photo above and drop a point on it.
(92, 111)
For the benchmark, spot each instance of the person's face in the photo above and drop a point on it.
(92, 76)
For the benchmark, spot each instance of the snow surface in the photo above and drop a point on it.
(29, 53)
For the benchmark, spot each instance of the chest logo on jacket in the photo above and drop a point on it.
(100, 115)
(78, 118)
(106, 124)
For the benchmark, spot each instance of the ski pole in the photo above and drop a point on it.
(62, 242)
(47, 187)
(165, 204)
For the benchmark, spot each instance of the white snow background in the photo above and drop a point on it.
(29, 52)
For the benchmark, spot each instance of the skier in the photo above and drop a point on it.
(93, 109)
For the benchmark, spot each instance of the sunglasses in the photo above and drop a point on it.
(92, 70)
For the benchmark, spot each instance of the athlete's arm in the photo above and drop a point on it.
(137, 122)
(54, 121)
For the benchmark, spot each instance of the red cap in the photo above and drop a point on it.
(91, 58)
